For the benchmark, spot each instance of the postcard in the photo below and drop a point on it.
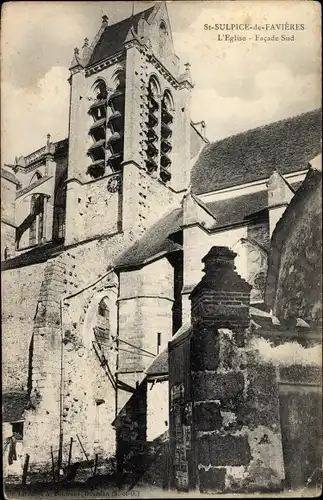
(161, 249)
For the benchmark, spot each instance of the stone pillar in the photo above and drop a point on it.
(42, 425)
(219, 304)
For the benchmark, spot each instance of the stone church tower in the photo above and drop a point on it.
(104, 235)
(129, 127)
(84, 329)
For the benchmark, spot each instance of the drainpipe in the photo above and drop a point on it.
(61, 393)
(117, 347)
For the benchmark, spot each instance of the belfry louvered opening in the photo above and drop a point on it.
(167, 112)
(115, 123)
(107, 130)
(153, 123)
(159, 131)
(98, 111)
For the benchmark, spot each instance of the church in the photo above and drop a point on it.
(103, 235)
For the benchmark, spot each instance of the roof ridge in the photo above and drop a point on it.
(111, 37)
(202, 204)
(129, 17)
(261, 127)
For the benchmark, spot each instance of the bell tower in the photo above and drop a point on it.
(129, 127)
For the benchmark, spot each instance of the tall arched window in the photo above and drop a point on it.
(153, 125)
(102, 330)
(159, 131)
(167, 112)
(36, 228)
(107, 133)
(115, 122)
(60, 209)
(98, 111)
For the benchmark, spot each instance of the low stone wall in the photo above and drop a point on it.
(255, 391)
(236, 407)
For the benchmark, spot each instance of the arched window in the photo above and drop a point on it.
(162, 39)
(106, 131)
(102, 329)
(60, 209)
(98, 111)
(153, 125)
(159, 131)
(119, 80)
(36, 228)
(35, 178)
(115, 122)
(167, 112)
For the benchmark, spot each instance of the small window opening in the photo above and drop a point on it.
(36, 228)
(102, 330)
(158, 342)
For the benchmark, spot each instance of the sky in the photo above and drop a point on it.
(237, 86)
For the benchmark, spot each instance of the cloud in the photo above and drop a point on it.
(281, 94)
(237, 85)
(29, 114)
(242, 85)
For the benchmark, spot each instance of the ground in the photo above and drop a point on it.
(79, 490)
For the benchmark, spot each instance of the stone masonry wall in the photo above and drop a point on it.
(8, 195)
(235, 395)
(300, 263)
(239, 443)
(145, 200)
(39, 289)
(256, 398)
(145, 309)
(89, 394)
(95, 210)
(8, 240)
(36, 291)
(20, 293)
(8, 232)
(42, 425)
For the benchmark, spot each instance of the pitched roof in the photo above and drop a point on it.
(287, 145)
(13, 405)
(113, 36)
(160, 364)
(239, 209)
(40, 253)
(155, 241)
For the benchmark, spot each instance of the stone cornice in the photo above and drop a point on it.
(150, 57)
(91, 181)
(105, 63)
(33, 166)
(219, 229)
(162, 69)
